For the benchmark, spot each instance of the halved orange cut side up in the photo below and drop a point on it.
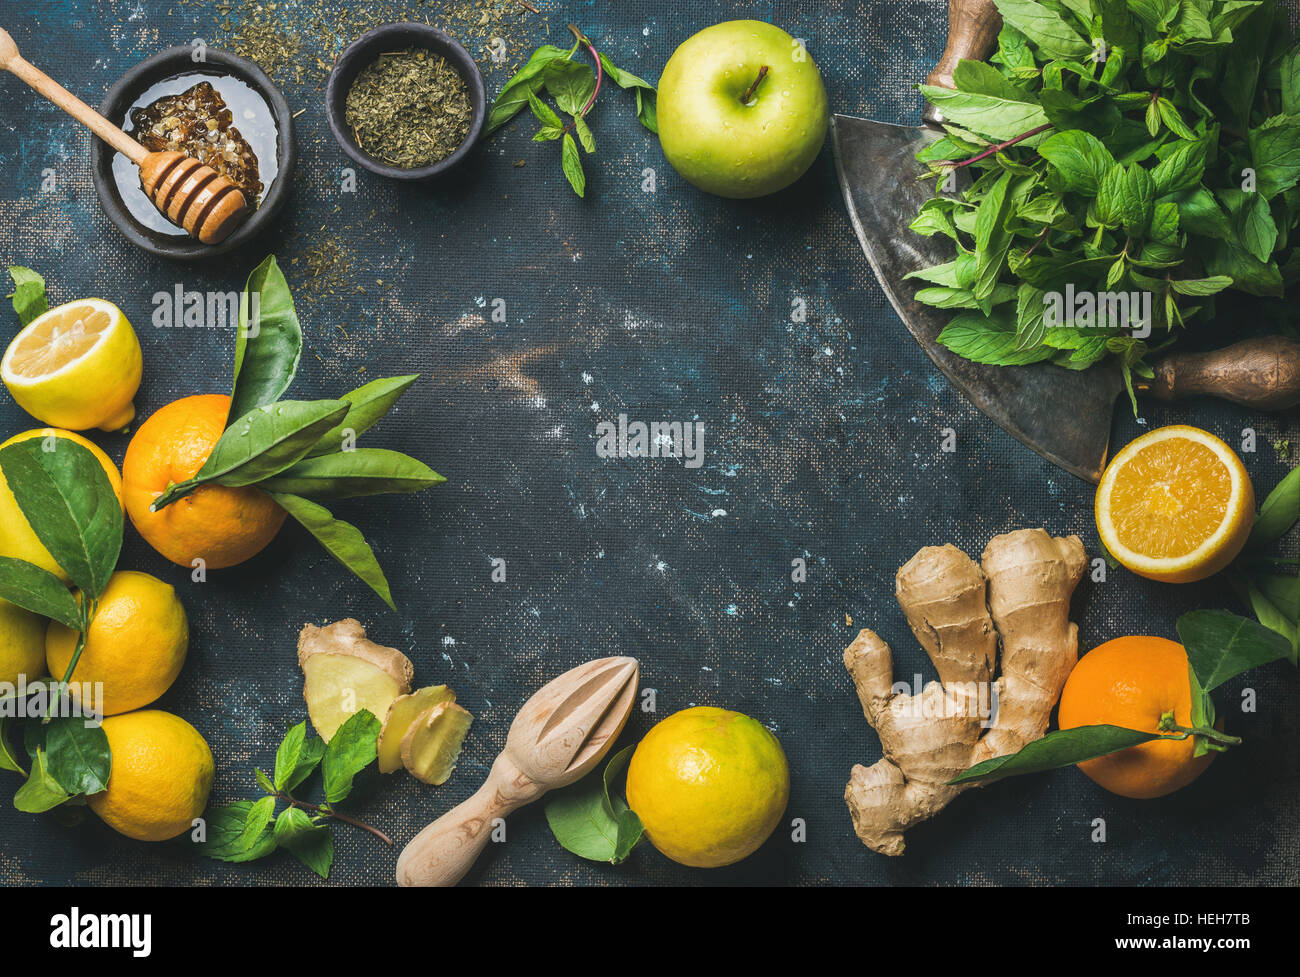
(1175, 505)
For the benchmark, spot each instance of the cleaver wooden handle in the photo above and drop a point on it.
(973, 27)
(1263, 373)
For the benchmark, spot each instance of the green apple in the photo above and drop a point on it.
(742, 109)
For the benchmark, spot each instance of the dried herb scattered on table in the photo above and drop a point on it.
(409, 108)
(300, 41)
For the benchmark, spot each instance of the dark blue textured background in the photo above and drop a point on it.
(822, 441)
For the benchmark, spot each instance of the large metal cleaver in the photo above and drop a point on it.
(1064, 415)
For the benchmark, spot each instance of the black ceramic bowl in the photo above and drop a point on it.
(154, 74)
(395, 37)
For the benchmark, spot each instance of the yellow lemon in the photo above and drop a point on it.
(22, 644)
(135, 647)
(77, 366)
(16, 537)
(709, 785)
(161, 777)
(1175, 505)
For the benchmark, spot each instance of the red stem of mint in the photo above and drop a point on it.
(992, 150)
(600, 74)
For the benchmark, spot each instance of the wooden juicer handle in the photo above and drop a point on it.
(190, 194)
(973, 27)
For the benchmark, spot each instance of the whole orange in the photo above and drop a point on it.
(220, 526)
(1133, 682)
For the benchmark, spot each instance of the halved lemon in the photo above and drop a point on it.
(1175, 505)
(76, 367)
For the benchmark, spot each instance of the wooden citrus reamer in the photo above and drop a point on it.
(558, 737)
(190, 194)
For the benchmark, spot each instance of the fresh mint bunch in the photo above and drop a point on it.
(573, 86)
(1115, 146)
(248, 830)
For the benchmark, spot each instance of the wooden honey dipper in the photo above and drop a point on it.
(190, 194)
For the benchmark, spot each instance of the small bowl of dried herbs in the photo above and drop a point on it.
(406, 101)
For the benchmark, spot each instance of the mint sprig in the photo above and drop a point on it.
(248, 830)
(574, 87)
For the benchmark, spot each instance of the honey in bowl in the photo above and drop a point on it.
(217, 119)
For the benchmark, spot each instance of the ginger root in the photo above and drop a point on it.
(345, 672)
(405, 710)
(432, 744)
(961, 613)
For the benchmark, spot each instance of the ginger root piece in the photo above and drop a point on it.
(404, 711)
(344, 672)
(961, 613)
(431, 746)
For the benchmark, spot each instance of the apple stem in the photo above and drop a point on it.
(595, 56)
(749, 92)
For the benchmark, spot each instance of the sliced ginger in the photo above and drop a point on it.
(344, 672)
(432, 744)
(405, 710)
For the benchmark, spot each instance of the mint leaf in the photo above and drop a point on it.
(527, 80)
(1275, 152)
(224, 835)
(584, 134)
(646, 97)
(544, 113)
(1252, 220)
(350, 750)
(255, 824)
(982, 339)
(1200, 286)
(1079, 159)
(1181, 170)
(288, 754)
(992, 236)
(572, 165)
(1044, 28)
(1126, 198)
(571, 85)
(989, 115)
(313, 750)
(310, 843)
